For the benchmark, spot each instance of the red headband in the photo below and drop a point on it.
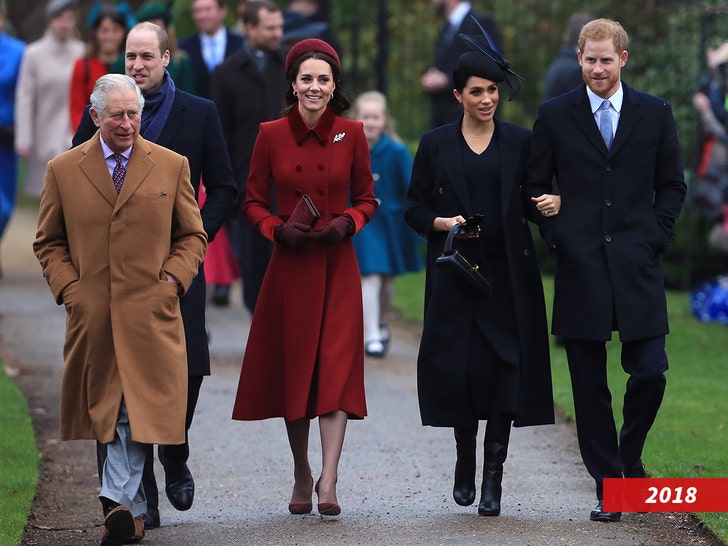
(310, 44)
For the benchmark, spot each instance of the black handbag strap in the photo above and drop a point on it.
(447, 249)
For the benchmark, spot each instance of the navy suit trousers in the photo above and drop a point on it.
(645, 361)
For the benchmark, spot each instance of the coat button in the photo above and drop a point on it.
(523, 220)
(321, 191)
(608, 202)
(375, 176)
(608, 238)
(299, 168)
(608, 167)
(321, 168)
(299, 193)
(440, 190)
(526, 252)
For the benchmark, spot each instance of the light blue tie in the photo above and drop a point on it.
(213, 55)
(605, 124)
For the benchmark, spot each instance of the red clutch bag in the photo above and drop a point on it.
(305, 212)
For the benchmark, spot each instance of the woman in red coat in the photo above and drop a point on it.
(305, 352)
(108, 25)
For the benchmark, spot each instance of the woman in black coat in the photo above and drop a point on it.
(480, 358)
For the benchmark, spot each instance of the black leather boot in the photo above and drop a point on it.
(463, 490)
(497, 434)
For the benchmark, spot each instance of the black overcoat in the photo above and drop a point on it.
(618, 209)
(437, 189)
(193, 130)
(245, 98)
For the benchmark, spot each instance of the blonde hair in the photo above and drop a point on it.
(604, 29)
(381, 99)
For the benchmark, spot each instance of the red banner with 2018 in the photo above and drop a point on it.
(666, 495)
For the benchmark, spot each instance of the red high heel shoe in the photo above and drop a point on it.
(327, 508)
(299, 508)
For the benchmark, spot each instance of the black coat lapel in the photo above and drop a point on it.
(629, 118)
(175, 121)
(584, 119)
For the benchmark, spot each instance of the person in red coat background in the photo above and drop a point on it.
(108, 26)
(305, 352)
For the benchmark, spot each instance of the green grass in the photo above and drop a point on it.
(18, 462)
(690, 436)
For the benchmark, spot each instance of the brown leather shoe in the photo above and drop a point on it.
(120, 523)
(121, 527)
(107, 539)
(118, 526)
(138, 530)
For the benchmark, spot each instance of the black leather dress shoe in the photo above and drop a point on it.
(221, 295)
(151, 518)
(180, 487)
(634, 471)
(598, 514)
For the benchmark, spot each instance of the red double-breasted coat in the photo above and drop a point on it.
(305, 352)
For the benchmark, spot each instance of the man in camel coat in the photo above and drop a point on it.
(120, 239)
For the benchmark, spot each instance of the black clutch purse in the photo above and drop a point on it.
(461, 269)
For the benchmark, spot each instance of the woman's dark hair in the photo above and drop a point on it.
(107, 11)
(460, 79)
(339, 102)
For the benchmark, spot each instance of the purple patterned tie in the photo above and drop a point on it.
(119, 172)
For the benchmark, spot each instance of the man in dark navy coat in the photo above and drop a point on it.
(248, 89)
(437, 81)
(564, 72)
(212, 44)
(620, 196)
(190, 126)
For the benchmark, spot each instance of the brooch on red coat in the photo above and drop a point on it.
(339, 137)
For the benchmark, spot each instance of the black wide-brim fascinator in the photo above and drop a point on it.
(485, 61)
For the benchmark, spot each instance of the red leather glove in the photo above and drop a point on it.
(292, 234)
(335, 230)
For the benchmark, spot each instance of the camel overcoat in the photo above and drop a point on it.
(105, 258)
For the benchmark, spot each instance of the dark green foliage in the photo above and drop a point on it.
(666, 58)
(667, 43)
